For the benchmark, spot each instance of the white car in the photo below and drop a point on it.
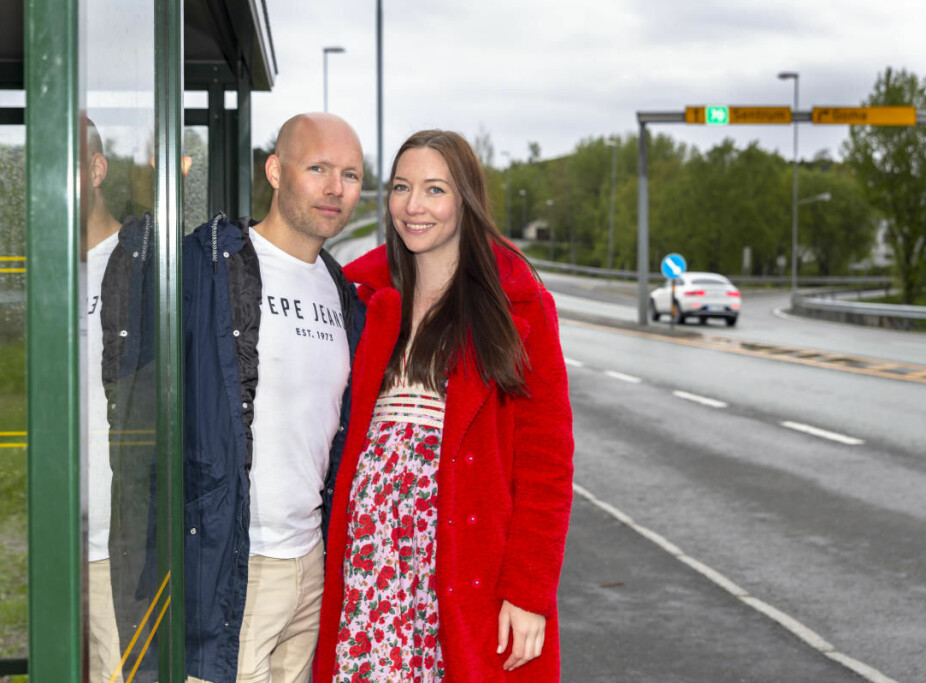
(697, 295)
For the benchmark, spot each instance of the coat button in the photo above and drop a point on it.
(225, 254)
(470, 458)
(476, 583)
(330, 492)
(134, 254)
(449, 521)
(244, 405)
(236, 333)
(193, 531)
(123, 333)
(340, 428)
(449, 589)
(472, 519)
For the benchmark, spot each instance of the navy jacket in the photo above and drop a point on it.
(221, 321)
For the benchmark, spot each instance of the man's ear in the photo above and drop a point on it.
(273, 168)
(99, 167)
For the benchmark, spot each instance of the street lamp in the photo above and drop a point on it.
(325, 51)
(825, 197)
(522, 193)
(793, 75)
(550, 226)
(507, 195)
(613, 147)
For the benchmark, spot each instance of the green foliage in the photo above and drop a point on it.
(707, 205)
(890, 164)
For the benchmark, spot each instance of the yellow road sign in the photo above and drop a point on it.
(774, 115)
(737, 115)
(865, 116)
(694, 115)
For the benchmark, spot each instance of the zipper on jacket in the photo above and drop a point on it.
(220, 216)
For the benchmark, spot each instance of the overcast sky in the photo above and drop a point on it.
(556, 71)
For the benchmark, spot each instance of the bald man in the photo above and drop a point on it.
(270, 330)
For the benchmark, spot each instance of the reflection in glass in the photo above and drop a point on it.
(118, 342)
(13, 545)
(195, 177)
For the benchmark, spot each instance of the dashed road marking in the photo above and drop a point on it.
(885, 369)
(621, 376)
(823, 433)
(703, 400)
(574, 363)
(808, 635)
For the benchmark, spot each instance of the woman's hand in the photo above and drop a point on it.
(528, 630)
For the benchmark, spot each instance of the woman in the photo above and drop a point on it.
(452, 501)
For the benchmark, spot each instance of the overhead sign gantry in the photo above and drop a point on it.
(723, 115)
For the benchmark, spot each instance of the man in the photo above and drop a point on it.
(100, 236)
(270, 329)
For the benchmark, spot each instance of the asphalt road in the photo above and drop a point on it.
(739, 517)
(829, 533)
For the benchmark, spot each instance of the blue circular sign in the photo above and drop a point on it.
(673, 265)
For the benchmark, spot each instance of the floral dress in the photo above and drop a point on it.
(389, 618)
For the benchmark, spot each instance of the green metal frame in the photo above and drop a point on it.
(56, 550)
(169, 223)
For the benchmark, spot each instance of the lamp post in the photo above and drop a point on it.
(613, 147)
(793, 75)
(522, 193)
(325, 51)
(507, 195)
(550, 227)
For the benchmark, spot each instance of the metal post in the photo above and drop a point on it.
(550, 228)
(785, 76)
(611, 210)
(642, 228)
(56, 548)
(245, 151)
(325, 51)
(380, 228)
(169, 235)
(507, 195)
(794, 197)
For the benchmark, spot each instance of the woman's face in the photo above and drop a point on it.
(425, 206)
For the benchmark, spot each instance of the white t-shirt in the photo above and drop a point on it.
(99, 473)
(303, 366)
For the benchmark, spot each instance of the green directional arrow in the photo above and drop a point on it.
(717, 116)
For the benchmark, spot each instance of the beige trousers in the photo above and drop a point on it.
(279, 630)
(103, 636)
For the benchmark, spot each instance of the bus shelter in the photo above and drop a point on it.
(123, 123)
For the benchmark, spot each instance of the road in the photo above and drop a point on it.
(749, 501)
(688, 441)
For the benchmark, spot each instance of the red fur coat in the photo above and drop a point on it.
(505, 484)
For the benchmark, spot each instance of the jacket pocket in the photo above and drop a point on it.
(209, 533)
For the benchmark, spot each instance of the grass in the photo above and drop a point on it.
(13, 520)
(364, 230)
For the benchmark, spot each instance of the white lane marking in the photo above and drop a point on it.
(822, 433)
(574, 363)
(621, 376)
(703, 400)
(809, 636)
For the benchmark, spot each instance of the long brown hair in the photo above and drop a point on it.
(474, 310)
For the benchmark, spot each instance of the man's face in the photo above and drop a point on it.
(319, 178)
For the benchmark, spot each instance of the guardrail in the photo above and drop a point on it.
(875, 281)
(827, 306)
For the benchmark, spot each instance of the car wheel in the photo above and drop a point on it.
(703, 320)
(653, 313)
(731, 321)
(679, 316)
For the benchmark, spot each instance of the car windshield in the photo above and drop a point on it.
(710, 281)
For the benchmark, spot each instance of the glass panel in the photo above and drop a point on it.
(13, 532)
(118, 341)
(195, 176)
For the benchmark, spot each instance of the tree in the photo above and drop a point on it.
(890, 163)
